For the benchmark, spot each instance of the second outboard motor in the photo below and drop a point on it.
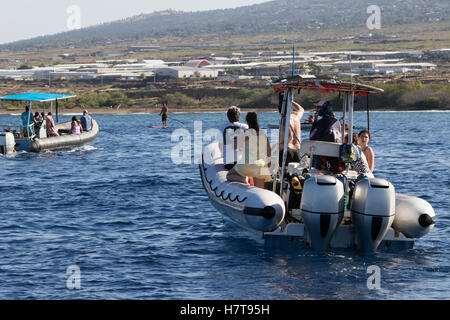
(373, 211)
(7, 143)
(322, 209)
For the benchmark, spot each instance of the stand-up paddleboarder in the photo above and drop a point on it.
(164, 113)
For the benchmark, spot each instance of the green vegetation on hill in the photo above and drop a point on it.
(396, 96)
(282, 19)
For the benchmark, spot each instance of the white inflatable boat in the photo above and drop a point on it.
(319, 209)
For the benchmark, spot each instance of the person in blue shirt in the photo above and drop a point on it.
(86, 121)
(27, 120)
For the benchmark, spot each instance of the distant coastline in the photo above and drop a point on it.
(134, 110)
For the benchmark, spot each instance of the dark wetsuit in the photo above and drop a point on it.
(326, 129)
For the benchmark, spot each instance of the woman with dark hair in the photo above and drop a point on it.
(50, 124)
(254, 147)
(76, 126)
(363, 142)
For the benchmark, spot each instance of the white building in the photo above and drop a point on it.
(186, 72)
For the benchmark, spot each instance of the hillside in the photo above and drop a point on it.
(283, 17)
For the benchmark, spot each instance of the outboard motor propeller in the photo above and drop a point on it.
(322, 209)
(373, 211)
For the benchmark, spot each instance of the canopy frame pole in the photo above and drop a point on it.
(56, 103)
(368, 117)
(350, 97)
(29, 116)
(287, 117)
(344, 111)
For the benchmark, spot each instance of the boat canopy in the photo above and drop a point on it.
(323, 86)
(37, 96)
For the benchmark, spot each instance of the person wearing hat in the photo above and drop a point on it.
(328, 128)
(86, 121)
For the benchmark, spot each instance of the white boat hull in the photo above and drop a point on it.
(253, 208)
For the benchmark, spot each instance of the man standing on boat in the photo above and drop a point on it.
(164, 114)
(86, 121)
(294, 139)
(27, 121)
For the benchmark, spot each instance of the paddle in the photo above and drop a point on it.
(175, 120)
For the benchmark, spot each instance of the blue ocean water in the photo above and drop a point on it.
(139, 226)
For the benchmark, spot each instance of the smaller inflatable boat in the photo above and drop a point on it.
(65, 140)
(34, 139)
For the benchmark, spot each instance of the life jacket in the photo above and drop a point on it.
(227, 158)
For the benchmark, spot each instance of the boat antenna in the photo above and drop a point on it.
(293, 60)
(350, 58)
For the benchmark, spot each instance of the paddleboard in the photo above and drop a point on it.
(158, 127)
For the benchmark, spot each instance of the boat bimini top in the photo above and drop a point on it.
(323, 86)
(38, 97)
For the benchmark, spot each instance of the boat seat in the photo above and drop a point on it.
(320, 148)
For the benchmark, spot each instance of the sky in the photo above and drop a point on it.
(24, 19)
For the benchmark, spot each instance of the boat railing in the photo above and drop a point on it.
(18, 131)
(320, 148)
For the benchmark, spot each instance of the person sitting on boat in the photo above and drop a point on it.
(37, 122)
(76, 127)
(361, 165)
(328, 128)
(254, 147)
(228, 140)
(86, 121)
(27, 121)
(50, 123)
(294, 139)
(363, 142)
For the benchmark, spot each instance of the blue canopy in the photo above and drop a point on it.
(37, 96)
